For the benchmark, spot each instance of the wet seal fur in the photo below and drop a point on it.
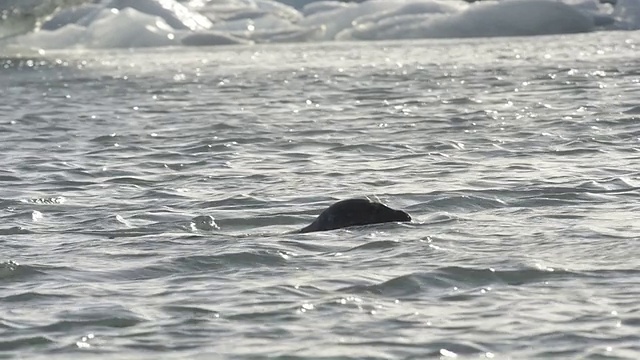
(354, 212)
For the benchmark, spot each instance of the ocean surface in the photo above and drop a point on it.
(148, 197)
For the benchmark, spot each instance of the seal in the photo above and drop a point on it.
(354, 212)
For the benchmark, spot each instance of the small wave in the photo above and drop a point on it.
(33, 296)
(15, 230)
(226, 262)
(455, 277)
(376, 245)
(277, 316)
(191, 310)
(362, 148)
(9, 178)
(314, 247)
(122, 233)
(530, 196)
(130, 180)
(10, 343)
(465, 201)
(634, 110)
(113, 320)
(12, 271)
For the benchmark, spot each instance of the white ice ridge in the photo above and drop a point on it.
(144, 23)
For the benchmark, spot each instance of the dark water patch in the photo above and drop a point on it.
(65, 187)
(140, 273)
(579, 151)
(376, 245)
(564, 343)
(465, 201)
(462, 296)
(235, 201)
(403, 157)
(131, 180)
(310, 144)
(114, 150)
(633, 110)
(565, 216)
(428, 350)
(621, 273)
(122, 233)
(33, 296)
(574, 196)
(522, 167)
(256, 223)
(191, 311)
(459, 277)
(312, 357)
(15, 230)
(109, 139)
(290, 292)
(298, 157)
(301, 291)
(361, 148)
(185, 165)
(15, 342)
(450, 166)
(397, 287)
(9, 204)
(91, 322)
(12, 271)
(283, 315)
(528, 196)
(160, 195)
(191, 148)
(9, 178)
(310, 246)
(93, 315)
(554, 201)
(228, 261)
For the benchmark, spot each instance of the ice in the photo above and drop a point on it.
(144, 23)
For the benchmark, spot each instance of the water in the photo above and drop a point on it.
(147, 198)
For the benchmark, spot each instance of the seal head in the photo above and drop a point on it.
(354, 212)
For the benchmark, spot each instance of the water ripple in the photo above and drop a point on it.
(144, 216)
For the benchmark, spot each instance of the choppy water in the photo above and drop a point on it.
(146, 198)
